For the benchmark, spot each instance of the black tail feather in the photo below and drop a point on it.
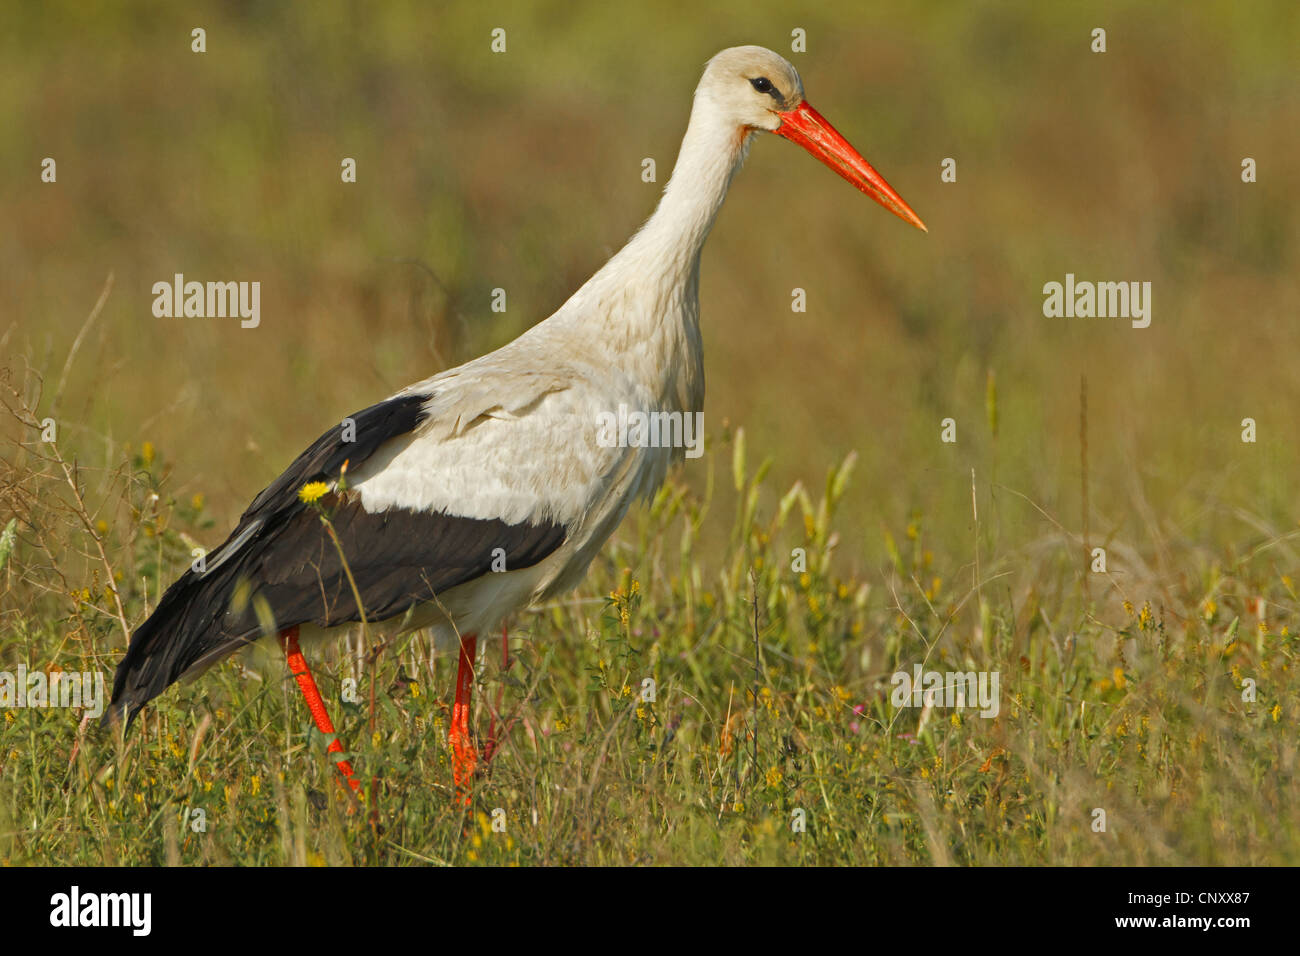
(282, 560)
(188, 629)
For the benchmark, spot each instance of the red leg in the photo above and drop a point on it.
(463, 756)
(307, 684)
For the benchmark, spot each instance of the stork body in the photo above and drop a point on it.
(486, 488)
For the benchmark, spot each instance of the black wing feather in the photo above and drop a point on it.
(290, 566)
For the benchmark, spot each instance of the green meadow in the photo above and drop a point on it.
(921, 468)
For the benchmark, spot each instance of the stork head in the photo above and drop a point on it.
(761, 90)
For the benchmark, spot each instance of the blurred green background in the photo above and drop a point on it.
(522, 170)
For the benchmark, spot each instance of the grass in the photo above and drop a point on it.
(771, 701)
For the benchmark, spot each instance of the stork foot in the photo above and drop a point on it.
(307, 684)
(464, 757)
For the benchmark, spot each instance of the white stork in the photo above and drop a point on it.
(486, 488)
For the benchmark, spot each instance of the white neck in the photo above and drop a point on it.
(712, 152)
(641, 311)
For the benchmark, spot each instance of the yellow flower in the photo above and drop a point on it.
(197, 502)
(312, 492)
(773, 776)
(1120, 681)
(1276, 713)
(147, 453)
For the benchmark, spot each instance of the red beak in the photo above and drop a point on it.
(805, 126)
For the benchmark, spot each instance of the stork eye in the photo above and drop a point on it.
(762, 84)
